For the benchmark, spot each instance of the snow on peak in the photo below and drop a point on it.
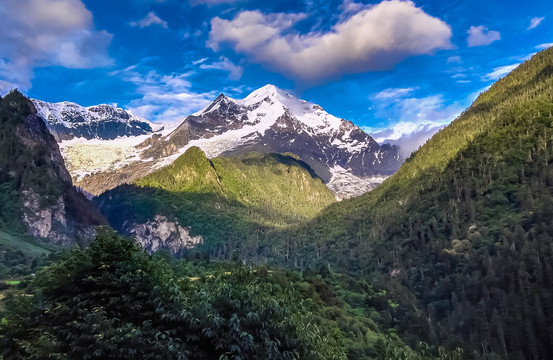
(268, 103)
(67, 112)
(268, 91)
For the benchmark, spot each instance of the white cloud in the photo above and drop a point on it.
(211, 2)
(224, 64)
(374, 38)
(163, 98)
(535, 22)
(200, 61)
(418, 120)
(500, 72)
(409, 136)
(149, 20)
(37, 33)
(544, 46)
(350, 6)
(393, 93)
(481, 36)
(454, 60)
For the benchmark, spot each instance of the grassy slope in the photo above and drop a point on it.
(28, 247)
(266, 182)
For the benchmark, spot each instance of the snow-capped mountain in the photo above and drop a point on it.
(271, 120)
(67, 120)
(268, 120)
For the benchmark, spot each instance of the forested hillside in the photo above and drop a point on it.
(465, 226)
(230, 202)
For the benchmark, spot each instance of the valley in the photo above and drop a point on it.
(198, 217)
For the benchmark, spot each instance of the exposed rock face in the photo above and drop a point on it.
(67, 120)
(346, 185)
(160, 233)
(43, 221)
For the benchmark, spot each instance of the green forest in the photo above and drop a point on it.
(464, 227)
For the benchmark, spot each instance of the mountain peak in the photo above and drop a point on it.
(270, 91)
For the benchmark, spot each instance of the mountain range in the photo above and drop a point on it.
(268, 120)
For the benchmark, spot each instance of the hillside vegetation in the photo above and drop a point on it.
(231, 202)
(465, 226)
(111, 300)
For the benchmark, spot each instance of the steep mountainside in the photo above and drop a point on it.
(36, 193)
(268, 120)
(67, 120)
(217, 202)
(464, 226)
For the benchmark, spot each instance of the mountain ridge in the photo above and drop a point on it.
(215, 202)
(67, 120)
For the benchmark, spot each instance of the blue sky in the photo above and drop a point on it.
(406, 66)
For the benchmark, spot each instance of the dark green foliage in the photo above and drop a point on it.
(113, 301)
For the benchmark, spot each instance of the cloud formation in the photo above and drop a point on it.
(481, 36)
(371, 39)
(544, 46)
(454, 60)
(149, 20)
(418, 118)
(535, 22)
(163, 98)
(37, 33)
(500, 72)
(394, 93)
(224, 64)
(409, 136)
